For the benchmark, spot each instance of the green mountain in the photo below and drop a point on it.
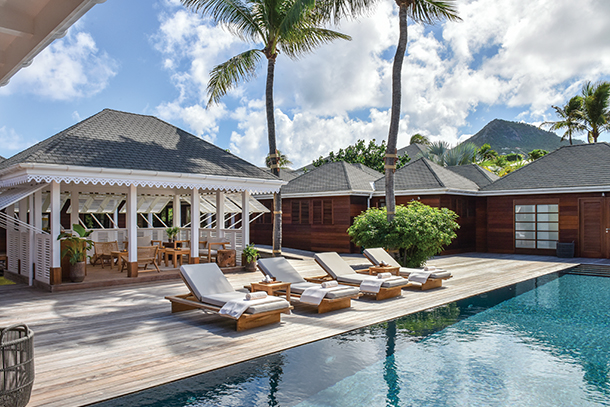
(512, 137)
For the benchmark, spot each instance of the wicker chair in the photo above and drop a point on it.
(102, 252)
(146, 255)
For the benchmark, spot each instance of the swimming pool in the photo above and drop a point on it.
(545, 342)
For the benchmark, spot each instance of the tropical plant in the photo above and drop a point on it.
(417, 231)
(293, 27)
(569, 119)
(595, 109)
(442, 154)
(172, 232)
(76, 246)
(282, 161)
(512, 157)
(250, 253)
(419, 11)
(419, 139)
(485, 153)
(536, 154)
(371, 155)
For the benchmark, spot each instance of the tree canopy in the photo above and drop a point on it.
(372, 155)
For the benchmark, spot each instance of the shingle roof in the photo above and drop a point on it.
(2, 158)
(286, 174)
(332, 177)
(424, 174)
(412, 150)
(583, 165)
(114, 139)
(473, 172)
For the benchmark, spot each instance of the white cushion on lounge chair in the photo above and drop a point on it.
(334, 265)
(378, 255)
(340, 291)
(281, 269)
(205, 279)
(357, 279)
(219, 300)
(405, 272)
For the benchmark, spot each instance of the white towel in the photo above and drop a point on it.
(256, 295)
(315, 295)
(329, 284)
(384, 275)
(371, 285)
(429, 268)
(235, 308)
(419, 276)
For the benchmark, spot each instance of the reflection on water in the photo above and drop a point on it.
(543, 343)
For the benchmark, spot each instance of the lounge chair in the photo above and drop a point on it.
(434, 279)
(335, 298)
(102, 252)
(339, 270)
(211, 291)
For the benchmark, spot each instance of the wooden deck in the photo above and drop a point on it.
(93, 345)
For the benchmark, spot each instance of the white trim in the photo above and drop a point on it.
(26, 172)
(317, 194)
(543, 191)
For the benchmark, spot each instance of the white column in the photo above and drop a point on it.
(55, 225)
(150, 220)
(220, 213)
(74, 218)
(132, 223)
(32, 241)
(177, 212)
(23, 210)
(195, 215)
(116, 218)
(38, 210)
(245, 218)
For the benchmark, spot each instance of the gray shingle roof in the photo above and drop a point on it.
(412, 150)
(286, 174)
(583, 165)
(2, 158)
(331, 177)
(473, 172)
(424, 174)
(114, 139)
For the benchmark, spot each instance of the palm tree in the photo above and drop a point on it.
(442, 154)
(569, 119)
(293, 27)
(419, 139)
(420, 11)
(282, 161)
(595, 110)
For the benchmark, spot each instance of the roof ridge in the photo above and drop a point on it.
(347, 177)
(427, 162)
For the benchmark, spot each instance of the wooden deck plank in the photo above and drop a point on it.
(118, 340)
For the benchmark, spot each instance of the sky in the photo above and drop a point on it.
(507, 60)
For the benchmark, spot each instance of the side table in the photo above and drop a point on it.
(374, 270)
(272, 288)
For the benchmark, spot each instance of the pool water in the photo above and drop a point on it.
(545, 342)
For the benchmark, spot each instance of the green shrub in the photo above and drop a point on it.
(418, 231)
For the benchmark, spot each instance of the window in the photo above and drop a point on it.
(536, 226)
(322, 212)
(300, 212)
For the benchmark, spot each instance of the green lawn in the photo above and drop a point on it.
(5, 281)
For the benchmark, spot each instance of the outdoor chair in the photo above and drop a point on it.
(146, 255)
(339, 270)
(210, 249)
(329, 299)
(427, 278)
(211, 291)
(102, 252)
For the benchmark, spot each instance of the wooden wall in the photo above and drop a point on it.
(500, 222)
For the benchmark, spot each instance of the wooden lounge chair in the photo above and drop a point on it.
(282, 270)
(146, 255)
(210, 291)
(102, 252)
(435, 279)
(339, 270)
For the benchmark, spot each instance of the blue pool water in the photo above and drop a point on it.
(545, 342)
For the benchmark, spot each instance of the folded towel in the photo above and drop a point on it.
(256, 295)
(429, 268)
(235, 308)
(371, 285)
(315, 295)
(384, 275)
(329, 284)
(419, 276)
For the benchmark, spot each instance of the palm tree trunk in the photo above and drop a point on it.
(275, 168)
(395, 116)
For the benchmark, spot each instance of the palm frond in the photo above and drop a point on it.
(305, 40)
(294, 15)
(227, 75)
(235, 15)
(431, 11)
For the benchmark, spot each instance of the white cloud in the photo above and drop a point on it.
(12, 142)
(69, 68)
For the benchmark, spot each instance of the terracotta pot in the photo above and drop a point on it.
(77, 272)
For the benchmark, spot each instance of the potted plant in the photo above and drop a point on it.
(76, 250)
(172, 232)
(249, 257)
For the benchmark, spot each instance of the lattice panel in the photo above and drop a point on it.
(43, 257)
(12, 250)
(24, 252)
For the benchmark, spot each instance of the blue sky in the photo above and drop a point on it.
(508, 60)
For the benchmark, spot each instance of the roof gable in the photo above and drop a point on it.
(583, 165)
(120, 140)
(475, 173)
(333, 177)
(412, 150)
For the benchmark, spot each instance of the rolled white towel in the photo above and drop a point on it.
(384, 275)
(429, 268)
(256, 295)
(267, 279)
(329, 284)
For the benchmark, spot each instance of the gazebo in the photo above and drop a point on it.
(116, 162)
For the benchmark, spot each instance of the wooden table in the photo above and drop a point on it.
(374, 270)
(208, 247)
(177, 254)
(117, 255)
(272, 288)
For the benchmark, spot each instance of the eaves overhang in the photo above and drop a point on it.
(542, 191)
(321, 194)
(32, 172)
